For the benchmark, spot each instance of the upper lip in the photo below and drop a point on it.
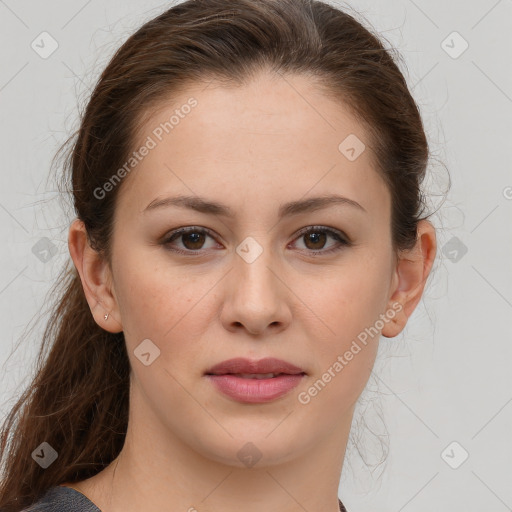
(243, 365)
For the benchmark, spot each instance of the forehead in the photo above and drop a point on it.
(276, 136)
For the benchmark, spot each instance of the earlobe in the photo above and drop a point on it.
(412, 270)
(96, 280)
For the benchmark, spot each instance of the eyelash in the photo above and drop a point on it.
(338, 236)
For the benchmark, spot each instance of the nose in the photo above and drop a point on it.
(256, 296)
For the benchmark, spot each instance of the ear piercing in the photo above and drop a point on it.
(106, 316)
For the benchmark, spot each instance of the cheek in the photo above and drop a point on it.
(170, 307)
(351, 307)
(354, 295)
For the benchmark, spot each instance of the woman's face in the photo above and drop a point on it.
(253, 285)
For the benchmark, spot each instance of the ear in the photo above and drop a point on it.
(409, 278)
(96, 277)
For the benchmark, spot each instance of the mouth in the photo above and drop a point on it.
(246, 381)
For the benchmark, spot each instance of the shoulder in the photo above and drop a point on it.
(62, 499)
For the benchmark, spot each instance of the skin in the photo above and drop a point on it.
(252, 148)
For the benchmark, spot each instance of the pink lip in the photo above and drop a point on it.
(266, 365)
(255, 390)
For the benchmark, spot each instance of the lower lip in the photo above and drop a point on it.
(255, 390)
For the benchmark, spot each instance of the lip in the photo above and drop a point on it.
(248, 390)
(243, 365)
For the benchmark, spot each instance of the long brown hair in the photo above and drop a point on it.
(78, 399)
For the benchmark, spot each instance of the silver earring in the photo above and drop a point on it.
(106, 316)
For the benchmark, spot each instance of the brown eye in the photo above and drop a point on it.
(315, 239)
(192, 240)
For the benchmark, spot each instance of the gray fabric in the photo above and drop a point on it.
(63, 499)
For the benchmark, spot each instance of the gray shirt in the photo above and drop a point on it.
(65, 499)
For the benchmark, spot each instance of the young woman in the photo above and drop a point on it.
(247, 184)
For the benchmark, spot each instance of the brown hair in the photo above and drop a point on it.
(78, 399)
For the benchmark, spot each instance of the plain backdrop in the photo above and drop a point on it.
(441, 393)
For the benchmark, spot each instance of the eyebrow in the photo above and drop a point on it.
(203, 205)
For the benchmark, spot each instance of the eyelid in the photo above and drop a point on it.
(323, 228)
(343, 241)
(175, 234)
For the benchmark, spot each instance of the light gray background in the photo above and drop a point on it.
(447, 377)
